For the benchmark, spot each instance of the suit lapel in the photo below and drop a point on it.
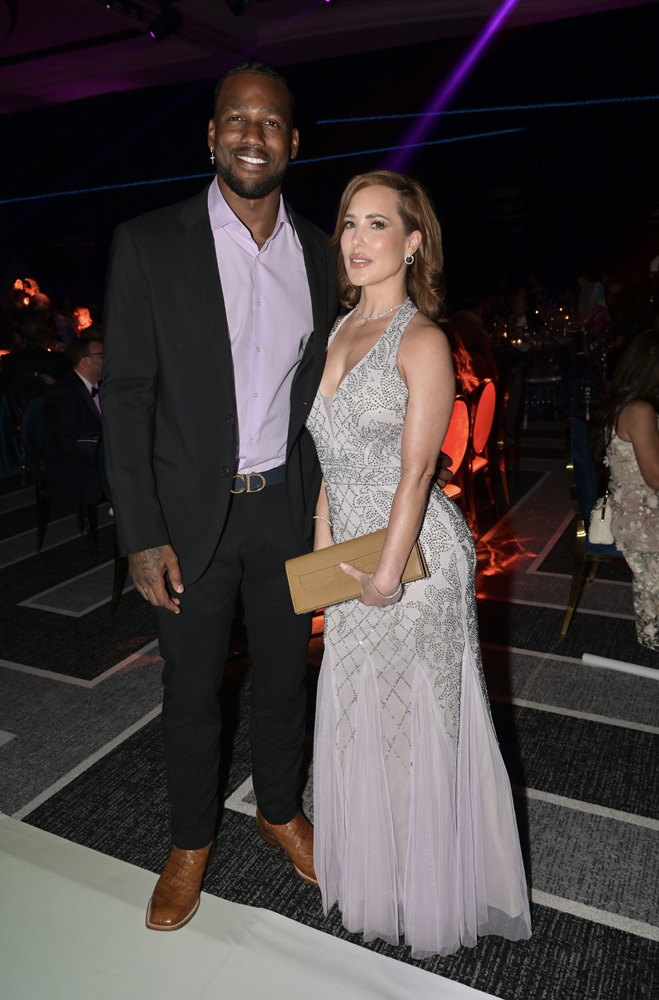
(314, 248)
(208, 312)
(86, 397)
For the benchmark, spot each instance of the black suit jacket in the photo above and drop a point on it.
(72, 429)
(168, 393)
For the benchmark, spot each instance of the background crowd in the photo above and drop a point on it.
(576, 333)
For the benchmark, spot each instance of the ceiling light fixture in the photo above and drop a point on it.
(128, 7)
(167, 21)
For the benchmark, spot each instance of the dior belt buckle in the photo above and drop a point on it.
(247, 480)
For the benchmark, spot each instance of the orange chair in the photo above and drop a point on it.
(483, 403)
(455, 445)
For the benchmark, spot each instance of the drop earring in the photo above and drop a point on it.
(212, 155)
(409, 258)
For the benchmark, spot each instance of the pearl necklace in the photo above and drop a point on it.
(367, 319)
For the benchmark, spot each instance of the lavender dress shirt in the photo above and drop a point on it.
(268, 307)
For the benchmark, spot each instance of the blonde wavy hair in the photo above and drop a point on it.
(425, 282)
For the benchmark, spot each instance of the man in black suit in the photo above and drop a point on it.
(72, 427)
(218, 311)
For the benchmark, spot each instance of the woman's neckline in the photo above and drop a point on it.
(370, 350)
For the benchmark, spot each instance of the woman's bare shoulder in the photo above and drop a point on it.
(637, 417)
(638, 412)
(424, 351)
(422, 332)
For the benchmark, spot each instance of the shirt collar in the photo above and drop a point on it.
(89, 385)
(222, 215)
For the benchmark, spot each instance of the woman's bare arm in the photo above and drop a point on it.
(638, 423)
(424, 360)
(322, 536)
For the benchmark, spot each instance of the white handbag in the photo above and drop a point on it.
(599, 529)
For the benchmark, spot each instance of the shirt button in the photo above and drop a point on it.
(256, 395)
(259, 303)
(258, 350)
(251, 440)
(257, 260)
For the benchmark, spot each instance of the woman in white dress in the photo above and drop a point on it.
(415, 833)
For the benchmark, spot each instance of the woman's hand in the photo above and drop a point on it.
(370, 596)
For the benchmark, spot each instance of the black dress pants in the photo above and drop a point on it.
(256, 541)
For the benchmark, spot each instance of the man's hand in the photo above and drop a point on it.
(147, 570)
(443, 473)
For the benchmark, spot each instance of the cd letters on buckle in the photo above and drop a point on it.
(316, 580)
(247, 478)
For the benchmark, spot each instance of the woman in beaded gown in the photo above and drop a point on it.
(627, 437)
(415, 833)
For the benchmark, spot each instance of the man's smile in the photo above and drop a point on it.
(256, 160)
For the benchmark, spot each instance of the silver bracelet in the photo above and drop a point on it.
(385, 596)
(321, 517)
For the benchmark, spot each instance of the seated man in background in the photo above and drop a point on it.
(25, 373)
(72, 426)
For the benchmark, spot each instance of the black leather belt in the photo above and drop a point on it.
(254, 482)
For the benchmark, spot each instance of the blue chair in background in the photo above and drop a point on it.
(542, 382)
(10, 453)
(584, 490)
(508, 431)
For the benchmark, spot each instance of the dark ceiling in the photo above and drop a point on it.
(55, 51)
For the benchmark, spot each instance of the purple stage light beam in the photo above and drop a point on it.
(417, 132)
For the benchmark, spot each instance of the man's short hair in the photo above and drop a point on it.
(82, 348)
(259, 69)
(36, 332)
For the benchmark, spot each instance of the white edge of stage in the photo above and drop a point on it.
(72, 926)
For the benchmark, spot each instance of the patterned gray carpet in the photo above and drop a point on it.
(80, 752)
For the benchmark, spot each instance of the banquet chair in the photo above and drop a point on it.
(10, 454)
(32, 441)
(455, 445)
(482, 406)
(582, 479)
(541, 382)
(507, 431)
(31, 437)
(27, 390)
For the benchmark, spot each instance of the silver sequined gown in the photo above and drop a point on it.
(635, 526)
(415, 834)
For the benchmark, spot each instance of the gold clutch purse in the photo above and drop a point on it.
(316, 581)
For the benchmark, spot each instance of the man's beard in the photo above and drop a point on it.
(254, 190)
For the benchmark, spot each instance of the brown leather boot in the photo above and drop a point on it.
(296, 838)
(175, 898)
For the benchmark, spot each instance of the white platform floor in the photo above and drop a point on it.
(72, 928)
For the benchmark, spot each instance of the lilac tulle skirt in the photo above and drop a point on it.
(424, 851)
